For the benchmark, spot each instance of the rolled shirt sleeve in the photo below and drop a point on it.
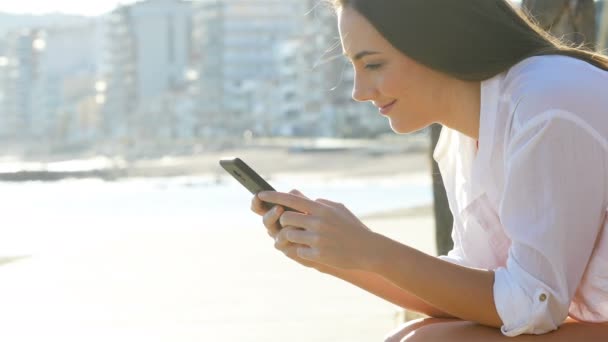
(552, 209)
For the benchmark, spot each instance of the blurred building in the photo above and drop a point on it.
(7, 125)
(45, 73)
(315, 83)
(236, 42)
(3, 80)
(148, 55)
(20, 65)
(66, 79)
(276, 67)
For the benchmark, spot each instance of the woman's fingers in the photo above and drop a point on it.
(302, 237)
(257, 206)
(295, 202)
(327, 202)
(271, 217)
(283, 244)
(292, 252)
(260, 207)
(271, 220)
(297, 193)
(280, 242)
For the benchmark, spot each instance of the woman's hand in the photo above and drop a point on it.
(326, 232)
(271, 222)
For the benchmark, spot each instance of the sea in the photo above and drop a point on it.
(41, 215)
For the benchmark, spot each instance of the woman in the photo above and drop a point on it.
(524, 157)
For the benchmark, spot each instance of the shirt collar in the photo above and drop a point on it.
(457, 154)
(487, 117)
(490, 98)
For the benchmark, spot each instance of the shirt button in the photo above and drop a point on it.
(542, 297)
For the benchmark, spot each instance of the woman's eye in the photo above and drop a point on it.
(373, 66)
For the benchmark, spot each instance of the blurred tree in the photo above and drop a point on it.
(572, 20)
(443, 216)
(603, 33)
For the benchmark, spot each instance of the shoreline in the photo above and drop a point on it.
(355, 162)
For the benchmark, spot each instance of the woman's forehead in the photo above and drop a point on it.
(356, 33)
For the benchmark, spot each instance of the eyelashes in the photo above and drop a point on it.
(373, 66)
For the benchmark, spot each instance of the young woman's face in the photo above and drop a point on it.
(406, 92)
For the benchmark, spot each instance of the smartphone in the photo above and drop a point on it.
(250, 179)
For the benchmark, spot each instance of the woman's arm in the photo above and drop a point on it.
(466, 293)
(386, 290)
(330, 234)
(367, 281)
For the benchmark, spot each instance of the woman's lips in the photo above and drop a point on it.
(386, 109)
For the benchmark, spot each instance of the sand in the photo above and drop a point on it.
(161, 286)
(400, 156)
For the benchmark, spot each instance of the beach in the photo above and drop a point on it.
(175, 282)
(394, 155)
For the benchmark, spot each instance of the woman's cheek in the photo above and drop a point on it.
(392, 86)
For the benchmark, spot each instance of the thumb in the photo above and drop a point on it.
(328, 202)
(298, 193)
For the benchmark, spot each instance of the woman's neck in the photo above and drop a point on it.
(463, 112)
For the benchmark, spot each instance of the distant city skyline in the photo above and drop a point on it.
(86, 8)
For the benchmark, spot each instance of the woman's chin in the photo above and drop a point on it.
(401, 127)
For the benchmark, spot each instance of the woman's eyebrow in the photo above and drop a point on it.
(362, 54)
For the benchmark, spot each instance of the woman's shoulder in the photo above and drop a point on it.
(553, 74)
(556, 83)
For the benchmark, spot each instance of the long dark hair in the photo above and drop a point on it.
(469, 39)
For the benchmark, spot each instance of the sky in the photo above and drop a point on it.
(82, 7)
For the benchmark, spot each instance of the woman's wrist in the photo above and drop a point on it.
(374, 254)
(329, 270)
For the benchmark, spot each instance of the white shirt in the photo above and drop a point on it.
(532, 202)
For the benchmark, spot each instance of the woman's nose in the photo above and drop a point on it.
(362, 91)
